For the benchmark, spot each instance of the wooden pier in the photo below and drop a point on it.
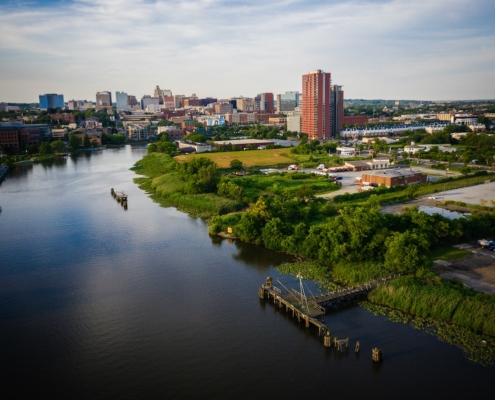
(308, 312)
(312, 308)
(346, 295)
(121, 197)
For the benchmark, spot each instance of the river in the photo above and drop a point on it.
(100, 302)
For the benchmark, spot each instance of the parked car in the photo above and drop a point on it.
(433, 197)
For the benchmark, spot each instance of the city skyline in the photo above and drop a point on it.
(441, 50)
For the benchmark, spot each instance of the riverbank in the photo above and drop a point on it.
(355, 238)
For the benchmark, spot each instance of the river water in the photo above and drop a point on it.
(100, 302)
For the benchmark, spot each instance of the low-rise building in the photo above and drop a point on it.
(393, 177)
(351, 120)
(277, 120)
(346, 151)
(188, 125)
(413, 148)
(92, 135)
(197, 147)
(58, 133)
(365, 165)
(137, 132)
(477, 127)
(244, 143)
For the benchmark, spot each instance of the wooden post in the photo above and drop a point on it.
(347, 343)
(327, 340)
(356, 350)
(261, 292)
(376, 354)
(307, 322)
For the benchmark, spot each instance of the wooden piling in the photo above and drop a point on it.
(327, 340)
(376, 354)
(356, 350)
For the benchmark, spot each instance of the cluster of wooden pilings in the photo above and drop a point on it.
(120, 197)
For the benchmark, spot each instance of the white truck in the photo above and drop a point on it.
(487, 244)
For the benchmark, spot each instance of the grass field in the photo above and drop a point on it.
(249, 158)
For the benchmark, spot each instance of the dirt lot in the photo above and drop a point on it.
(476, 271)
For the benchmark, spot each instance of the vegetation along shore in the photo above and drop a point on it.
(347, 240)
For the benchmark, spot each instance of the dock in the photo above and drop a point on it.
(121, 197)
(312, 309)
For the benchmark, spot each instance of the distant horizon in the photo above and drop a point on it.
(386, 49)
(345, 99)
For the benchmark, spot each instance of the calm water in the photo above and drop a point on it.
(102, 303)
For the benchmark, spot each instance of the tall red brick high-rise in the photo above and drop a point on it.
(316, 104)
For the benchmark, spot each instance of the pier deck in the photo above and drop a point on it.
(311, 309)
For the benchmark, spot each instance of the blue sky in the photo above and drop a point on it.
(395, 49)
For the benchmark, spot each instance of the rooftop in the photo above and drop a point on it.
(392, 173)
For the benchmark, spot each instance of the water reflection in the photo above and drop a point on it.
(259, 256)
(444, 213)
(59, 162)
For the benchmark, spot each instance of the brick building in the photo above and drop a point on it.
(70, 118)
(352, 120)
(10, 139)
(393, 177)
(316, 104)
(223, 108)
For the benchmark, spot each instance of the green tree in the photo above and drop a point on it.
(86, 142)
(74, 142)
(230, 190)
(58, 146)
(405, 253)
(45, 148)
(273, 234)
(236, 164)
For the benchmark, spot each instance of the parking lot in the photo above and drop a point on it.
(471, 194)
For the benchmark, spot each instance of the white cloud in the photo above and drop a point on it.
(376, 49)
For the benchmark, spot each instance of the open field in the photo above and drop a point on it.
(249, 158)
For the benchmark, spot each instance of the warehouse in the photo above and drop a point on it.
(393, 177)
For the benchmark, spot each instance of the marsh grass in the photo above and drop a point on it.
(448, 302)
(477, 347)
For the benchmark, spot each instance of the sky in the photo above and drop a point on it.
(375, 49)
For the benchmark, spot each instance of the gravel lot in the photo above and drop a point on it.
(471, 194)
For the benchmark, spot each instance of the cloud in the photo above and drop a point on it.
(376, 49)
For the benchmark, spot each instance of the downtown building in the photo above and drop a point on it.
(104, 100)
(316, 106)
(264, 102)
(51, 100)
(287, 102)
(122, 101)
